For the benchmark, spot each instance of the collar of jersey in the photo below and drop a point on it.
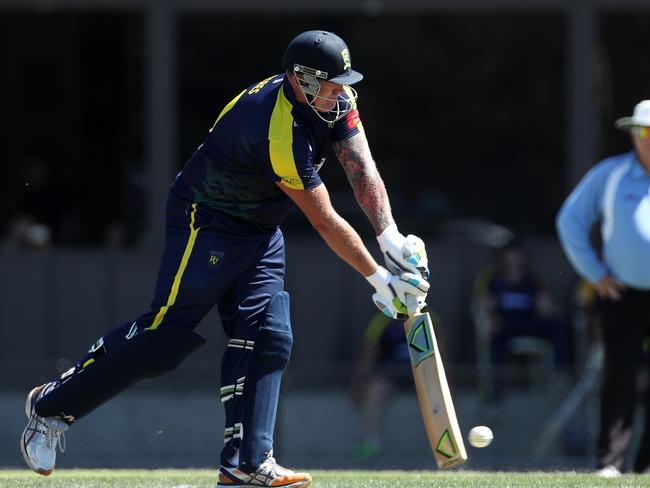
(638, 171)
(302, 110)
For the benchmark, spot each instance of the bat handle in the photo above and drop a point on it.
(411, 304)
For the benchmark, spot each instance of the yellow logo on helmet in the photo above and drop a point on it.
(345, 54)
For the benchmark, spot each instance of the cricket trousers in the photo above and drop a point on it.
(207, 260)
(626, 332)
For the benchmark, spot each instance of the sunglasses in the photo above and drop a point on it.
(641, 132)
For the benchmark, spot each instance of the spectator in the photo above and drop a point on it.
(616, 193)
(515, 303)
(586, 318)
(384, 366)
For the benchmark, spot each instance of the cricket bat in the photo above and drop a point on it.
(433, 393)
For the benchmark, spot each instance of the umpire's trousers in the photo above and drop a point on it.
(626, 339)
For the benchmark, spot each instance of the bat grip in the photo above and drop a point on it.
(411, 304)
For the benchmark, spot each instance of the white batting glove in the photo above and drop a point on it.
(393, 292)
(415, 304)
(403, 254)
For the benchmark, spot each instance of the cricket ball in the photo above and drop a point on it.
(480, 436)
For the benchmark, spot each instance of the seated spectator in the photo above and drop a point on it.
(515, 303)
(384, 366)
(586, 320)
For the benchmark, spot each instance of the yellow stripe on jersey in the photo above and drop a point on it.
(281, 143)
(227, 108)
(179, 274)
(232, 102)
(350, 94)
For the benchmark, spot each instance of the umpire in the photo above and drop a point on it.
(616, 192)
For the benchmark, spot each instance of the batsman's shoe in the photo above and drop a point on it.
(41, 436)
(270, 473)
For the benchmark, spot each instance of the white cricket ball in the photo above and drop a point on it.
(480, 436)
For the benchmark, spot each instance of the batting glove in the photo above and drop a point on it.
(393, 292)
(403, 254)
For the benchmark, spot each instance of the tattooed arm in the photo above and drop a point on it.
(361, 170)
(335, 230)
(400, 253)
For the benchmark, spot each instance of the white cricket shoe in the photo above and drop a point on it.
(270, 473)
(41, 436)
(608, 472)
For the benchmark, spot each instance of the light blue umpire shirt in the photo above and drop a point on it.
(617, 192)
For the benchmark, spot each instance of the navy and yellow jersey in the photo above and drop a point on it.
(261, 137)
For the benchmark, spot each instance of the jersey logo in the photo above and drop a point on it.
(353, 119)
(292, 182)
(347, 64)
(215, 259)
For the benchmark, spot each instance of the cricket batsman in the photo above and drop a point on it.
(223, 247)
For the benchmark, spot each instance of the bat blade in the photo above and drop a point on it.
(434, 397)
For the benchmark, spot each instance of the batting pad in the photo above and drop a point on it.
(263, 379)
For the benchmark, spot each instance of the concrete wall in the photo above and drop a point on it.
(183, 429)
(54, 305)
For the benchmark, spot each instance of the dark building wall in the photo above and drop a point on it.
(54, 305)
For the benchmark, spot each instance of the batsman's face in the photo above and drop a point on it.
(327, 96)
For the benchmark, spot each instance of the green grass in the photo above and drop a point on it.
(322, 479)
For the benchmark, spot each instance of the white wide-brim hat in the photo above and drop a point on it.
(641, 116)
